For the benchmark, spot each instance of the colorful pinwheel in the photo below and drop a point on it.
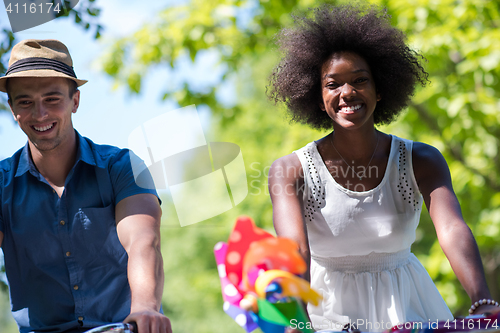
(260, 279)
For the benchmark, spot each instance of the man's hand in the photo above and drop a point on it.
(149, 321)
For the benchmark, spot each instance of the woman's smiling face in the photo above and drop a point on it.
(348, 90)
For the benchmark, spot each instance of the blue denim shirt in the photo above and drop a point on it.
(65, 265)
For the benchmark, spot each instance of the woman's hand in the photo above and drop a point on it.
(292, 330)
(487, 309)
(296, 330)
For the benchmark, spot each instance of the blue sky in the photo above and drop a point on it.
(106, 115)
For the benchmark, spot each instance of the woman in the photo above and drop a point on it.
(352, 199)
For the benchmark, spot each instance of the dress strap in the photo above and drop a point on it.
(314, 189)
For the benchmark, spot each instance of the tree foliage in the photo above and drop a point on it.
(457, 113)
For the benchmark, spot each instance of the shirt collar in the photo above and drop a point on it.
(25, 162)
(84, 154)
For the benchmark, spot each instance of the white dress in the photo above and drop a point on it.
(360, 247)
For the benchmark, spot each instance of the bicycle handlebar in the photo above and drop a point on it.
(115, 328)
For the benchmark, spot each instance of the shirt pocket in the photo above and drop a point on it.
(96, 226)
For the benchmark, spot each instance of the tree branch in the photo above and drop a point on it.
(453, 149)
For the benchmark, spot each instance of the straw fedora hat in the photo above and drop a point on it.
(40, 58)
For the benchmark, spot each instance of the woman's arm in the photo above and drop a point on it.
(286, 187)
(286, 182)
(454, 236)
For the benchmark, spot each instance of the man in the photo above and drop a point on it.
(81, 240)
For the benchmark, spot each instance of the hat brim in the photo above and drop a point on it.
(37, 73)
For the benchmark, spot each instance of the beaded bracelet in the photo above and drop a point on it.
(485, 301)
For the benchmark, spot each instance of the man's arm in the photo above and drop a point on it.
(138, 226)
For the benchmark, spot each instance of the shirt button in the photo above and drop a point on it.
(75, 287)
(68, 254)
(62, 222)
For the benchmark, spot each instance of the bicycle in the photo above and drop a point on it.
(115, 328)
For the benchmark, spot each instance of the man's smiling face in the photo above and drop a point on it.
(42, 107)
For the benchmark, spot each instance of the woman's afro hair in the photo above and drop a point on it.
(361, 29)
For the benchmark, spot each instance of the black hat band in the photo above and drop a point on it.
(40, 63)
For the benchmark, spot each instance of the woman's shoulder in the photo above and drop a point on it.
(288, 166)
(294, 159)
(422, 152)
(425, 153)
(429, 165)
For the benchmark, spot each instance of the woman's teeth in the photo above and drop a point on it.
(350, 108)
